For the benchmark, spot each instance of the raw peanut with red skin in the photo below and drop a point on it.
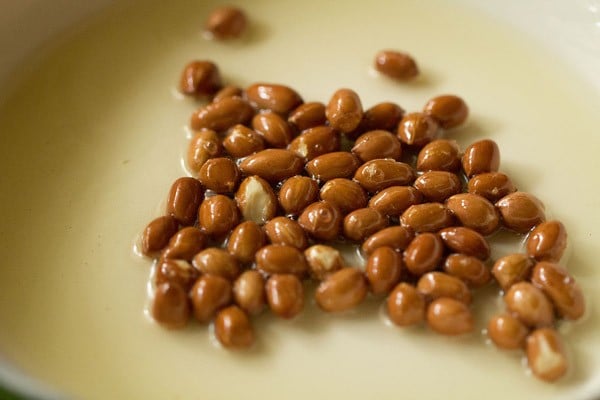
(417, 129)
(448, 110)
(342, 290)
(157, 234)
(338, 164)
(282, 230)
(396, 237)
(179, 272)
(200, 78)
(222, 115)
(362, 223)
(394, 200)
(297, 193)
(344, 110)
(185, 244)
(183, 200)
(511, 269)
(227, 91)
(285, 295)
(249, 292)
(546, 354)
(345, 194)
(273, 165)
(226, 22)
(396, 65)
(467, 268)
(203, 146)
(170, 306)
(385, 116)
(439, 155)
(277, 98)
(427, 217)
(449, 317)
(491, 185)
(321, 220)
(434, 285)
(521, 211)
(233, 328)
(481, 157)
(423, 254)
(405, 305)
(377, 144)
(547, 241)
(529, 304)
(217, 261)
(308, 115)
(466, 241)
(221, 175)
(217, 215)
(507, 332)
(209, 294)
(474, 212)
(274, 129)
(245, 240)
(281, 259)
(323, 260)
(315, 142)
(378, 174)
(561, 289)
(242, 141)
(437, 186)
(383, 270)
(256, 200)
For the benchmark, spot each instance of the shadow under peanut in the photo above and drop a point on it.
(426, 79)
(256, 32)
(477, 127)
(582, 366)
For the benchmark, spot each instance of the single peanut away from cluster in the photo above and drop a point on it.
(278, 182)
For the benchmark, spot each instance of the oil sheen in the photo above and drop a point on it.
(91, 136)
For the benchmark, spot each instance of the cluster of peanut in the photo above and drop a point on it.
(278, 183)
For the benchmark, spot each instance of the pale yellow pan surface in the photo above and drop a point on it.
(91, 139)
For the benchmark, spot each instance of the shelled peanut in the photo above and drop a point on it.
(537, 293)
(273, 193)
